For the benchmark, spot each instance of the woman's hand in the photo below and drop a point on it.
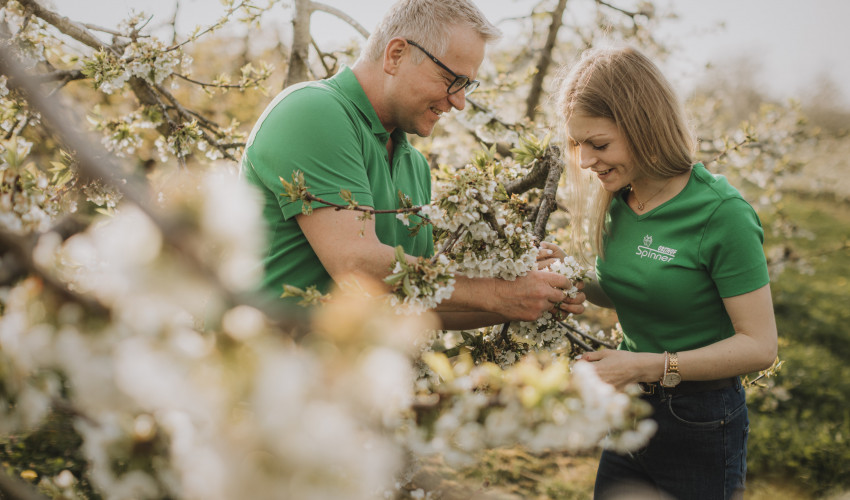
(549, 253)
(621, 368)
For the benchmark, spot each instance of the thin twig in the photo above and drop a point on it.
(208, 29)
(492, 115)
(108, 31)
(412, 210)
(588, 337)
(64, 76)
(619, 9)
(574, 339)
(215, 85)
(448, 243)
(209, 124)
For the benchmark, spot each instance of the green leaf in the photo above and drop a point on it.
(394, 279)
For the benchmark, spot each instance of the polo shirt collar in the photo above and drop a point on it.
(351, 88)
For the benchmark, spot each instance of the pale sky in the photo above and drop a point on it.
(792, 41)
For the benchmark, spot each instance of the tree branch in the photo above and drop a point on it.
(297, 70)
(191, 114)
(584, 346)
(575, 340)
(64, 76)
(535, 179)
(618, 9)
(318, 6)
(552, 159)
(545, 61)
(67, 26)
(93, 161)
(23, 249)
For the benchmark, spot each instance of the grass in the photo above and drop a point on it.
(515, 474)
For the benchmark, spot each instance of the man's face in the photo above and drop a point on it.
(419, 92)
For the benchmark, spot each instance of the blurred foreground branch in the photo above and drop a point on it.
(94, 162)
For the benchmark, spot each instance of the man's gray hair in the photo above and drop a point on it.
(428, 23)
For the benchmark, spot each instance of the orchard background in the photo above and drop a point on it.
(136, 363)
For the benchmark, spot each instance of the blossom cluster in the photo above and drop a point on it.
(196, 398)
(541, 403)
(30, 201)
(145, 58)
(494, 238)
(546, 334)
(420, 286)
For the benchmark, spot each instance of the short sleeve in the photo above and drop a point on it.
(732, 249)
(311, 131)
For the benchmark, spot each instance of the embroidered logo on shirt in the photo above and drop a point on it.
(662, 253)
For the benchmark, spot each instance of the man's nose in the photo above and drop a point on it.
(458, 100)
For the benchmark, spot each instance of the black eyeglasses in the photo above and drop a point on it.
(460, 82)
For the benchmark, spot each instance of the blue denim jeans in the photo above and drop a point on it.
(699, 451)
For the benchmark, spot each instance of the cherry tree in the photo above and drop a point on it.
(129, 252)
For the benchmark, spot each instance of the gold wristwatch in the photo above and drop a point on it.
(671, 377)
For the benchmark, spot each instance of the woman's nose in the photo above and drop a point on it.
(586, 159)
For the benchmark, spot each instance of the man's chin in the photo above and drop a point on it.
(426, 131)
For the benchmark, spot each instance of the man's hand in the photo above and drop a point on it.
(549, 254)
(525, 299)
(528, 297)
(570, 305)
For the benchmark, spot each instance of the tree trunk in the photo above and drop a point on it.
(545, 61)
(297, 71)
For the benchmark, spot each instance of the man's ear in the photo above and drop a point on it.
(394, 54)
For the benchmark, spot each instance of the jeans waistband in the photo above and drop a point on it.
(688, 386)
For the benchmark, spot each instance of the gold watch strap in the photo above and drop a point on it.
(673, 366)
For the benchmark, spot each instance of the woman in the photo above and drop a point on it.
(680, 258)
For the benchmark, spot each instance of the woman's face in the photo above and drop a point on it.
(603, 150)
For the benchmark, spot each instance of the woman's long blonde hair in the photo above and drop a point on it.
(622, 85)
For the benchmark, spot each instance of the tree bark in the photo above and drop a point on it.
(552, 159)
(297, 71)
(545, 61)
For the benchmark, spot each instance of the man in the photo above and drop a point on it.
(349, 132)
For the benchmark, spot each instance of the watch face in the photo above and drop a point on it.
(671, 379)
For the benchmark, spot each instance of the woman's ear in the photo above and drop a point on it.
(394, 54)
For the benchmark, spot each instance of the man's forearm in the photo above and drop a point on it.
(456, 320)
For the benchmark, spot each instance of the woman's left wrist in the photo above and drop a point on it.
(653, 367)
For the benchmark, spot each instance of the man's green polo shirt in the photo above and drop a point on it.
(329, 130)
